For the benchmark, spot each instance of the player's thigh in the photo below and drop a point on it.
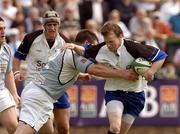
(6, 100)
(61, 116)
(61, 110)
(36, 106)
(9, 117)
(114, 112)
(48, 127)
(23, 127)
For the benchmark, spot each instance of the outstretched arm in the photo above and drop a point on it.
(86, 66)
(107, 72)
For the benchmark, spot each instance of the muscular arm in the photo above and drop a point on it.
(157, 65)
(149, 75)
(79, 50)
(103, 71)
(16, 64)
(158, 61)
(86, 66)
(16, 69)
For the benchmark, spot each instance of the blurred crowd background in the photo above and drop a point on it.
(152, 22)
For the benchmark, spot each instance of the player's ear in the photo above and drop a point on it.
(121, 35)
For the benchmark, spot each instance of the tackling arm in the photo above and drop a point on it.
(103, 71)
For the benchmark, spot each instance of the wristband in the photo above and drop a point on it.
(16, 73)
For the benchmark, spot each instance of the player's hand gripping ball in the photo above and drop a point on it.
(141, 65)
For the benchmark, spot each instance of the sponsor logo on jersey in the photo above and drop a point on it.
(84, 60)
(40, 65)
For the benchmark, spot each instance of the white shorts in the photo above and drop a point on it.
(36, 106)
(6, 99)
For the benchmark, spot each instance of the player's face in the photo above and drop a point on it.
(51, 30)
(113, 42)
(2, 32)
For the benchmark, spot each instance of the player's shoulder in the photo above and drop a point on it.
(70, 55)
(132, 45)
(104, 49)
(131, 42)
(32, 36)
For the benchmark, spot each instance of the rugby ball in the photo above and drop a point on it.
(141, 65)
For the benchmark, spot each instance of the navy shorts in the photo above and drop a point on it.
(62, 102)
(133, 102)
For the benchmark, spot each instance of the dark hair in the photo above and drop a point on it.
(84, 35)
(1, 19)
(109, 27)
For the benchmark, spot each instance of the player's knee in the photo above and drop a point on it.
(11, 127)
(115, 128)
(63, 126)
(47, 129)
(63, 129)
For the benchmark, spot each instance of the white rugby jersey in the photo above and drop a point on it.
(36, 51)
(5, 63)
(61, 72)
(121, 60)
(126, 53)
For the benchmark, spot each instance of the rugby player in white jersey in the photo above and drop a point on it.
(60, 72)
(9, 98)
(124, 97)
(36, 48)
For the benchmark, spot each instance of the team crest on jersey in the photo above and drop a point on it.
(84, 60)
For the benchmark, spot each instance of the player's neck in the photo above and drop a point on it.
(50, 43)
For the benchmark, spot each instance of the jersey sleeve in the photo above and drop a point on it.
(23, 49)
(25, 45)
(148, 52)
(159, 56)
(91, 51)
